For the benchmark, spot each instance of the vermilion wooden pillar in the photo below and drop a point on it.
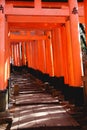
(60, 53)
(74, 25)
(36, 62)
(69, 55)
(49, 54)
(33, 54)
(37, 4)
(7, 55)
(7, 64)
(18, 55)
(65, 54)
(2, 48)
(27, 53)
(55, 51)
(23, 53)
(44, 59)
(12, 53)
(15, 55)
(44, 51)
(16, 47)
(30, 54)
(56, 54)
(3, 60)
(41, 58)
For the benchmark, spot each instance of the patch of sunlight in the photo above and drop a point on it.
(23, 101)
(55, 106)
(43, 119)
(26, 116)
(30, 123)
(15, 120)
(14, 127)
(26, 111)
(27, 107)
(38, 114)
(57, 111)
(39, 105)
(68, 109)
(42, 108)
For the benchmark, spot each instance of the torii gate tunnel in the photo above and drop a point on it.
(44, 35)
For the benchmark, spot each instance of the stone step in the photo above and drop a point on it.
(36, 109)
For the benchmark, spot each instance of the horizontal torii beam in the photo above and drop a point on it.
(43, 4)
(10, 10)
(32, 26)
(35, 19)
(25, 38)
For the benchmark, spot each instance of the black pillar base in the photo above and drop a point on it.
(3, 100)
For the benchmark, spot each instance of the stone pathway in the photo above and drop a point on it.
(35, 109)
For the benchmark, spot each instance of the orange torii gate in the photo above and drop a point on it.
(60, 57)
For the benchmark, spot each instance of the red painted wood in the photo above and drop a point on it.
(75, 39)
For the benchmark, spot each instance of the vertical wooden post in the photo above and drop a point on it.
(27, 53)
(44, 55)
(12, 53)
(41, 58)
(57, 54)
(69, 55)
(15, 55)
(2, 47)
(19, 56)
(55, 51)
(75, 39)
(30, 54)
(33, 54)
(23, 54)
(49, 55)
(36, 54)
(3, 60)
(20, 53)
(64, 52)
(60, 58)
(7, 63)
(37, 4)
(7, 54)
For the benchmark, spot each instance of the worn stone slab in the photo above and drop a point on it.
(37, 110)
(46, 116)
(36, 98)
